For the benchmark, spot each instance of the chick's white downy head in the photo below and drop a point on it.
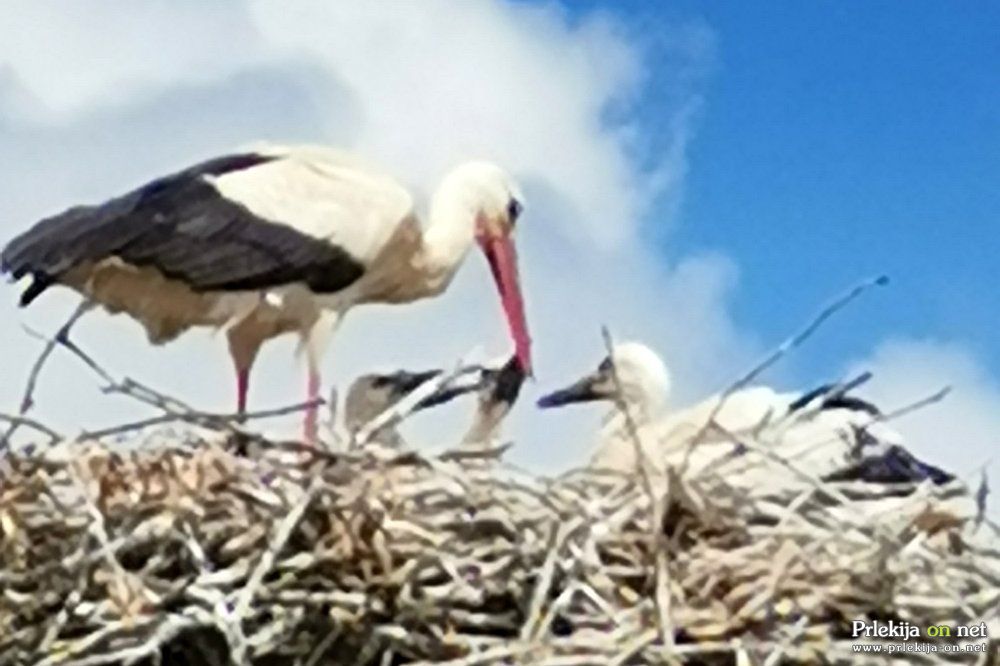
(644, 378)
(633, 368)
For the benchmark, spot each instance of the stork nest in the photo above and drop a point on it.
(184, 551)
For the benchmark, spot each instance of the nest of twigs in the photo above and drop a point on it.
(193, 552)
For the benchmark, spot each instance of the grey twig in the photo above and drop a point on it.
(656, 499)
(201, 418)
(18, 421)
(788, 345)
(28, 398)
(936, 397)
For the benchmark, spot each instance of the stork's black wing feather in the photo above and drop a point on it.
(185, 228)
(808, 397)
(835, 397)
(893, 465)
(853, 404)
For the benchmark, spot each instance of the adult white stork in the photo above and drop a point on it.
(275, 240)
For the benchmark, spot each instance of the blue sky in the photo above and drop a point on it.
(843, 139)
(699, 176)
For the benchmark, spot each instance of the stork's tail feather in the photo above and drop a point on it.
(39, 283)
(14, 263)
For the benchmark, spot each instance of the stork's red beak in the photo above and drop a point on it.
(502, 255)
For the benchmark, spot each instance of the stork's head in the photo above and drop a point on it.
(492, 201)
(372, 394)
(644, 380)
(496, 383)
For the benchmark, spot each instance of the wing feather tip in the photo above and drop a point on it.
(39, 284)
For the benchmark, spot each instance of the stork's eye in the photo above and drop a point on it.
(380, 381)
(605, 365)
(514, 209)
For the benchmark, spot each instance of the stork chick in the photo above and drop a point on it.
(372, 394)
(644, 387)
(634, 374)
(497, 389)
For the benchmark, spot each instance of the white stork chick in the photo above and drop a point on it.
(372, 394)
(272, 241)
(497, 387)
(645, 384)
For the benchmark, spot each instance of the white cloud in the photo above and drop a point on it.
(961, 433)
(442, 81)
(72, 58)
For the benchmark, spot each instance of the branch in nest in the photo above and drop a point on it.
(207, 419)
(28, 397)
(657, 501)
(788, 345)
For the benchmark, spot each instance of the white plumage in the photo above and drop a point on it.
(324, 193)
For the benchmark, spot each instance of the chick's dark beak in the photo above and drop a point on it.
(590, 388)
(405, 383)
(507, 381)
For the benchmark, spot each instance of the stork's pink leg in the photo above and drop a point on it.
(314, 340)
(242, 386)
(311, 433)
(244, 343)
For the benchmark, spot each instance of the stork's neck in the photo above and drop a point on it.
(643, 407)
(485, 425)
(450, 230)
